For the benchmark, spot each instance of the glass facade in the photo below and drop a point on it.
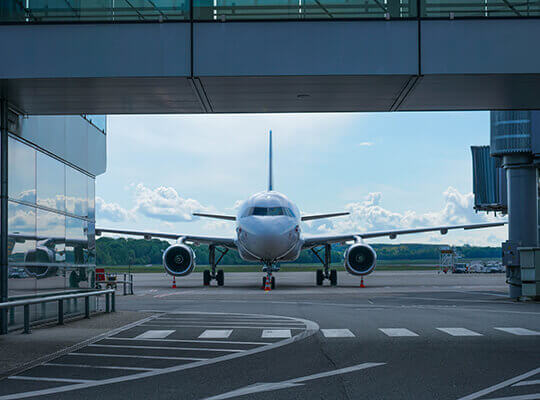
(207, 10)
(50, 223)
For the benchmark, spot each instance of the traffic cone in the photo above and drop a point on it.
(174, 282)
(362, 282)
(267, 286)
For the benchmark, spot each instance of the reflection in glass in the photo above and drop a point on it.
(76, 241)
(98, 120)
(91, 198)
(21, 248)
(21, 171)
(76, 192)
(51, 235)
(50, 182)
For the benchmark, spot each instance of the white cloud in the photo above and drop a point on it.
(366, 144)
(111, 211)
(164, 203)
(368, 215)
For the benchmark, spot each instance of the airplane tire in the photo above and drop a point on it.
(206, 277)
(319, 277)
(263, 282)
(273, 283)
(333, 277)
(220, 277)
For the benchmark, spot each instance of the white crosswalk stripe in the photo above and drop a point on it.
(337, 333)
(216, 334)
(276, 333)
(459, 332)
(519, 331)
(397, 332)
(154, 334)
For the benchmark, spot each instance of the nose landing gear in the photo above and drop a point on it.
(326, 273)
(269, 281)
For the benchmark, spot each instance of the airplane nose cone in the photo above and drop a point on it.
(268, 241)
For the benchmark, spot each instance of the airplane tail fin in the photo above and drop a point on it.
(270, 170)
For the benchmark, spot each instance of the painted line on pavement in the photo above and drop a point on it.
(519, 331)
(276, 333)
(501, 385)
(337, 333)
(136, 356)
(229, 326)
(154, 334)
(527, 383)
(459, 332)
(215, 334)
(98, 367)
(190, 341)
(37, 378)
(121, 346)
(271, 386)
(397, 332)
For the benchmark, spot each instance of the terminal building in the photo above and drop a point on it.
(50, 219)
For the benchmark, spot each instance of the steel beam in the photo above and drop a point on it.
(3, 213)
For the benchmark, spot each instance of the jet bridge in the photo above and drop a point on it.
(505, 179)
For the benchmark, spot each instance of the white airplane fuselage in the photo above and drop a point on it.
(268, 228)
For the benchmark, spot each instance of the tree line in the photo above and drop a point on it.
(142, 252)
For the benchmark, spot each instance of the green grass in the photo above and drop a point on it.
(399, 265)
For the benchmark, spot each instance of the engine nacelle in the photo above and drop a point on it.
(179, 260)
(360, 259)
(40, 255)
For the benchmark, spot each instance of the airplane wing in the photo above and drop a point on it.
(320, 216)
(322, 240)
(217, 216)
(218, 241)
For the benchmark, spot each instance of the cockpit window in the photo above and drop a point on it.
(268, 211)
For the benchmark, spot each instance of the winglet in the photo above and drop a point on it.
(270, 171)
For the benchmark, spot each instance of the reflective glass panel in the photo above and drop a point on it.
(50, 182)
(21, 171)
(21, 248)
(91, 198)
(76, 241)
(76, 192)
(51, 232)
(98, 120)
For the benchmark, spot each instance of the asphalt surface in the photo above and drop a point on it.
(406, 335)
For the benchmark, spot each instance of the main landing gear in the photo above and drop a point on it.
(218, 275)
(326, 273)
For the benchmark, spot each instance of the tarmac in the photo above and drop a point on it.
(406, 335)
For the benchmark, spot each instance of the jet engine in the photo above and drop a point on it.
(360, 259)
(179, 260)
(40, 254)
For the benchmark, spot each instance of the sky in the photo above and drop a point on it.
(389, 170)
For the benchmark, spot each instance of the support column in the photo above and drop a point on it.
(3, 212)
(522, 183)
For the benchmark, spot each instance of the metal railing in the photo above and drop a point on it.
(110, 304)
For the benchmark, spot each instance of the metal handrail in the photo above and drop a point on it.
(110, 304)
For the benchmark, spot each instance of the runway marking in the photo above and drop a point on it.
(527, 383)
(310, 329)
(190, 341)
(228, 326)
(136, 356)
(154, 334)
(36, 378)
(504, 384)
(276, 333)
(534, 396)
(519, 331)
(397, 332)
(459, 332)
(458, 300)
(337, 333)
(120, 346)
(271, 386)
(215, 334)
(98, 367)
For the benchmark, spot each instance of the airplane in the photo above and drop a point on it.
(268, 231)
